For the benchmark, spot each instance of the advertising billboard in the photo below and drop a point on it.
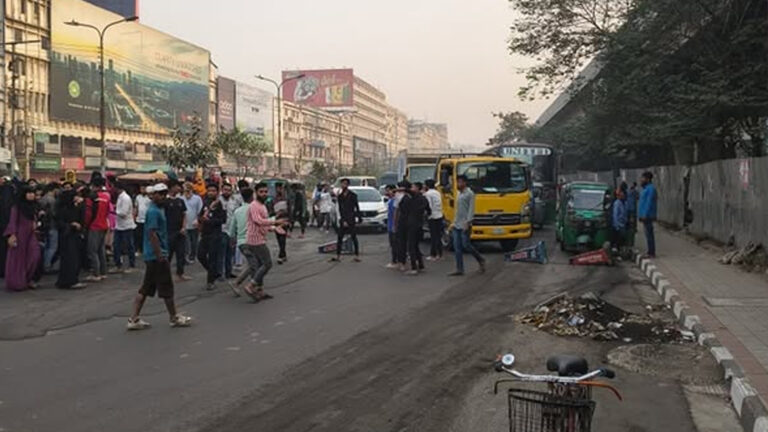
(154, 82)
(253, 110)
(126, 8)
(225, 116)
(330, 89)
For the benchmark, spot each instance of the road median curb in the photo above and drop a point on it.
(752, 412)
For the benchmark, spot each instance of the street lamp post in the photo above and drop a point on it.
(279, 87)
(102, 107)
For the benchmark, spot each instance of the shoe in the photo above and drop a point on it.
(78, 286)
(412, 273)
(103, 277)
(429, 258)
(139, 324)
(231, 276)
(456, 273)
(92, 278)
(234, 289)
(185, 278)
(482, 267)
(210, 287)
(335, 259)
(128, 270)
(391, 266)
(181, 321)
(356, 259)
(280, 261)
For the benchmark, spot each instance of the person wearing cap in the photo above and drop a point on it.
(157, 275)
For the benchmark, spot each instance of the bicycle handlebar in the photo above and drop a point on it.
(606, 373)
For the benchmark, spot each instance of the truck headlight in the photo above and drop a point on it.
(526, 214)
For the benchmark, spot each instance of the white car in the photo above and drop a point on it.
(372, 207)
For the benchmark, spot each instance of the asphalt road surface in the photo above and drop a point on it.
(342, 347)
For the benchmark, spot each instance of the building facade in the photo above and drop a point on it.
(425, 137)
(49, 140)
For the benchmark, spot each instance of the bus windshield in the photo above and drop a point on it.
(494, 177)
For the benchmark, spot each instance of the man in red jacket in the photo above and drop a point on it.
(98, 211)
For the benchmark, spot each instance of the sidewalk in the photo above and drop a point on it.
(728, 302)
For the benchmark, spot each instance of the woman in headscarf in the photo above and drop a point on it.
(23, 246)
(70, 218)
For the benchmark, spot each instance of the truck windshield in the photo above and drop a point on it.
(587, 199)
(421, 173)
(494, 177)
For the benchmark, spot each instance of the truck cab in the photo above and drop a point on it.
(502, 188)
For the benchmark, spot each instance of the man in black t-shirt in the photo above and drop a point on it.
(212, 217)
(175, 210)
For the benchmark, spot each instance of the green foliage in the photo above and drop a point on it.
(513, 126)
(191, 148)
(674, 76)
(319, 172)
(245, 149)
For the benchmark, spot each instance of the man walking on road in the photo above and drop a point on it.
(124, 229)
(402, 202)
(435, 221)
(227, 252)
(349, 215)
(255, 248)
(462, 227)
(391, 231)
(212, 217)
(97, 212)
(175, 214)
(646, 211)
(157, 276)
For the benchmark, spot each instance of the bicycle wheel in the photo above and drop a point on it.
(534, 411)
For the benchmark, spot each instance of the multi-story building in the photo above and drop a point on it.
(425, 137)
(397, 131)
(52, 114)
(314, 135)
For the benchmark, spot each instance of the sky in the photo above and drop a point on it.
(437, 60)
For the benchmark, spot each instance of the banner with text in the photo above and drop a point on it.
(330, 89)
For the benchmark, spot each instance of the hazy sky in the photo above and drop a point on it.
(439, 60)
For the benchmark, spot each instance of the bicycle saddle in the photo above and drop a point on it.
(568, 365)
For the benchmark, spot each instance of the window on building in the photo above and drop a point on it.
(37, 12)
(17, 35)
(71, 146)
(23, 7)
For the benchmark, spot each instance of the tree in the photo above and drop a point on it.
(319, 172)
(191, 147)
(513, 126)
(245, 149)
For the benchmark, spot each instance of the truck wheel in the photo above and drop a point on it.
(508, 245)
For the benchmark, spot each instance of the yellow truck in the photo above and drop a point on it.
(502, 188)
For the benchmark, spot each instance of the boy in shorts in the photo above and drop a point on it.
(157, 275)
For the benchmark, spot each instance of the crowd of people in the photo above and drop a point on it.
(631, 206)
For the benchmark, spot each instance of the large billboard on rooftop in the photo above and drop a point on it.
(154, 81)
(329, 89)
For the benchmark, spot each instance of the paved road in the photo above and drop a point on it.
(341, 347)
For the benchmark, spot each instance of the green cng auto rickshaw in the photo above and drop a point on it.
(584, 216)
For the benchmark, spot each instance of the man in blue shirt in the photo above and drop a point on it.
(619, 220)
(391, 209)
(646, 211)
(157, 275)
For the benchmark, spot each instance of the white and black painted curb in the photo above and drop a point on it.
(753, 414)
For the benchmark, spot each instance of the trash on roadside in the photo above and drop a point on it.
(589, 316)
(688, 335)
(752, 256)
(598, 257)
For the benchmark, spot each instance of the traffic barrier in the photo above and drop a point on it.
(533, 254)
(597, 257)
(347, 247)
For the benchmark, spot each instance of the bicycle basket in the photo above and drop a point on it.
(533, 411)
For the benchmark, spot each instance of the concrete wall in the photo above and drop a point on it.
(726, 198)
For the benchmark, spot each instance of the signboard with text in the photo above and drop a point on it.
(331, 89)
(253, 110)
(226, 103)
(154, 82)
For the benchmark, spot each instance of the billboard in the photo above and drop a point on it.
(225, 115)
(126, 8)
(253, 110)
(154, 82)
(330, 89)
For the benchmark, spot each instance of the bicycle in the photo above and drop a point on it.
(566, 406)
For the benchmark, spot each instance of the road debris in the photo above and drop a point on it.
(752, 257)
(589, 316)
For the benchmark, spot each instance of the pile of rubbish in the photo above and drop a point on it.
(752, 257)
(589, 316)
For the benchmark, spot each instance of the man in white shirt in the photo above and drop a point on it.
(124, 229)
(194, 206)
(141, 206)
(435, 221)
